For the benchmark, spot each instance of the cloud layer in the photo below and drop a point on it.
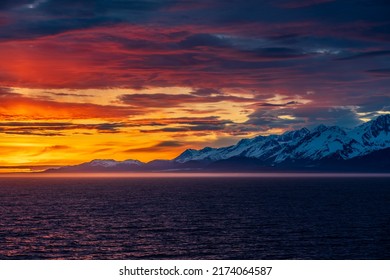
(175, 74)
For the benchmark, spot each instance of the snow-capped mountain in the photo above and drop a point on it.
(363, 148)
(323, 142)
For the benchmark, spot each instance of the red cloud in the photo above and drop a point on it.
(135, 56)
(132, 56)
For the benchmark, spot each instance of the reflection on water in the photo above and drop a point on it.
(197, 218)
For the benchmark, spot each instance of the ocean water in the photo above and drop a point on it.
(195, 218)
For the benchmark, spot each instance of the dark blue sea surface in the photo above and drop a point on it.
(195, 218)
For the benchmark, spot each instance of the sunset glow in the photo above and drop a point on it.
(146, 80)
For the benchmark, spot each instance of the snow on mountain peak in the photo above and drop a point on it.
(322, 142)
(186, 155)
(112, 163)
(373, 135)
(103, 162)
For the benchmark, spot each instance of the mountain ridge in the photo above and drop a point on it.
(302, 149)
(323, 141)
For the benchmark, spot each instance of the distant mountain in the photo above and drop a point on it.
(102, 165)
(325, 148)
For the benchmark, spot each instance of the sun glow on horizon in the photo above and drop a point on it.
(66, 127)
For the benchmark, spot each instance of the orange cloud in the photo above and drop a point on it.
(17, 107)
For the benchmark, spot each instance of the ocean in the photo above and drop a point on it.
(274, 217)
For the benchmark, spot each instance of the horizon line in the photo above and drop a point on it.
(196, 174)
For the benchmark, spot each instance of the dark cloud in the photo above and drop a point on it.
(277, 48)
(33, 133)
(36, 124)
(57, 128)
(210, 123)
(277, 52)
(189, 128)
(278, 105)
(31, 19)
(304, 117)
(373, 104)
(270, 119)
(194, 124)
(161, 100)
(293, 4)
(385, 72)
(184, 120)
(90, 8)
(169, 144)
(9, 4)
(164, 145)
(344, 116)
(367, 55)
(169, 129)
(109, 127)
(204, 40)
(69, 94)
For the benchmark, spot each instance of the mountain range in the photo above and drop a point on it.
(365, 148)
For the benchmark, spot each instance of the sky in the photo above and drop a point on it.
(147, 79)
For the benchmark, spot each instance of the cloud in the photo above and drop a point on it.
(69, 94)
(54, 148)
(33, 133)
(383, 72)
(305, 116)
(204, 40)
(373, 103)
(271, 119)
(35, 128)
(189, 128)
(109, 127)
(57, 128)
(293, 4)
(58, 147)
(279, 105)
(241, 52)
(255, 54)
(279, 53)
(206, 91)
(14, 106)
(50, 128)
(169, 144)
(161, 100)
(157, 147)
(367, 55)
(103, 150)
(190, 124)
(9, 4)
(344, 116)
